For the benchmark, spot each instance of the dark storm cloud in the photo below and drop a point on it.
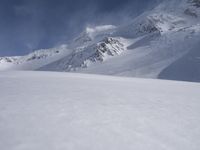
(32, 24)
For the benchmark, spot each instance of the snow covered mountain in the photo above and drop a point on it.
(161, 43)
(58, 103)
(84, 57)
(34, 60)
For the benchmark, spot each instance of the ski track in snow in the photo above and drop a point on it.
(65, 111)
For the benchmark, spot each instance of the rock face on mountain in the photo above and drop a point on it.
(156, 44)
(83, 57)
(196, 3)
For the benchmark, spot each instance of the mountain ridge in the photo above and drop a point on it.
(145, 47)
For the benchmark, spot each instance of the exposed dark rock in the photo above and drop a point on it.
(190, 13)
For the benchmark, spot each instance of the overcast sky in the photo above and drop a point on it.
(26, 25)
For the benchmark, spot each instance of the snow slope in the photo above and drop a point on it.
(34, 60)
(64, 111)
(186, 69)
(156, 44)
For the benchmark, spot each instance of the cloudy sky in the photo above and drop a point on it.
(26, 25)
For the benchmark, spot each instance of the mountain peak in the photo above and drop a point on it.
(155, 45)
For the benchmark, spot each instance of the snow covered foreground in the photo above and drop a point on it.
(64, 111)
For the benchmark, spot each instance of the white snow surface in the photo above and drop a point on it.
(67, 111)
